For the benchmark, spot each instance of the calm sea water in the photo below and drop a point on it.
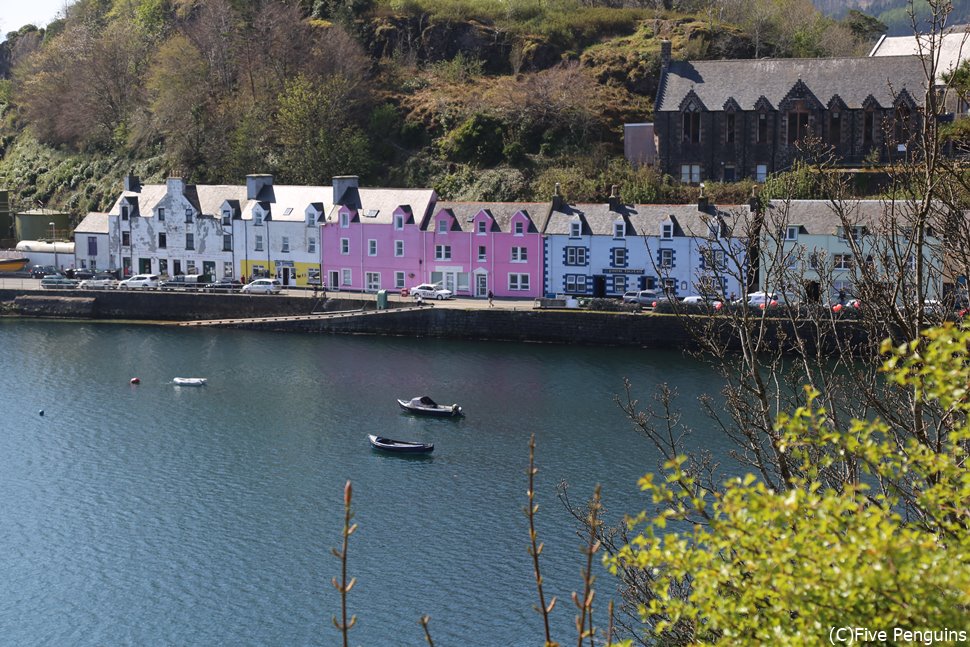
(156, 515)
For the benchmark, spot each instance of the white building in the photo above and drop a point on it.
(91, 243)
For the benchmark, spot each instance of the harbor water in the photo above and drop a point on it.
(152, 514)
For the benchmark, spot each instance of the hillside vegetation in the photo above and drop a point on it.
(480, 99)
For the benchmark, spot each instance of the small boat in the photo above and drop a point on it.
(426, 406)
(399, 446)
(13, 263)
(189, 381)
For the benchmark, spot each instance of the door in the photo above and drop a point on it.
(209, 269)
(286, 275)
(333, 282)
(599, 286)
(373, 281)
(450, 282)
(481, 285)
(144, 266)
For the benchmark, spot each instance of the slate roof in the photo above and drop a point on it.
(851, 79)
(93, 223)
(642, 219)
(294, 198)
(820, 218)
(502, 212)
(377, 206)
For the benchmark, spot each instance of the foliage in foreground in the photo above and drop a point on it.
(786, 567)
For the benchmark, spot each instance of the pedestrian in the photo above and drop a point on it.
(490, 297)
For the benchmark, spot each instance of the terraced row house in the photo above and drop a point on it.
(349, 237)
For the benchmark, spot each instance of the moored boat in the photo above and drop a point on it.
(399, 446)
(428, 407)
(13, 263)
(189, 381)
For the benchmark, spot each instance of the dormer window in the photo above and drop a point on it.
(344, 219)
(667, 231)
(226, 217)
(791, 233)
(398, 222)
(258, 218)
(480, 227)
(575, 229)
(619, 229)
(714, 228)
(443, 226)
(161, 214)
(519, 228)
(188, 215)
(124, 212)
(309, 220)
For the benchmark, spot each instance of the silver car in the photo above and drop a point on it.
(263, 286)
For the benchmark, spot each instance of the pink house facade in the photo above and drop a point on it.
(472, 248)
(371, 240)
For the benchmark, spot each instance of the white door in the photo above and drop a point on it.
(450, 281)
(481, 285)
(373, 281)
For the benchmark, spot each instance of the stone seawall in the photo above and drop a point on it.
(359, 318)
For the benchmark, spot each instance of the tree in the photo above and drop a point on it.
(789, 566)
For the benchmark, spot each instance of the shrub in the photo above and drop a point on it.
(477, 140)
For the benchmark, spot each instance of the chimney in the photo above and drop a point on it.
(341, 183)
(702, 202)
(175, 185)
(664, 55)
(256, 183)
(614, 199)
(557, 202)
(132, 183)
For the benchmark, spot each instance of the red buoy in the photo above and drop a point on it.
(135, 380)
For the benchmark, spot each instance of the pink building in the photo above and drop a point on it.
(371, 240)
(472, 248)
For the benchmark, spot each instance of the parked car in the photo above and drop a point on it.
(643, 297)
(263, 286)
(182, 282)
(40, 271)
(703, 302)
(140, 282)
(224, 284)
(662, 300)
(79, 273)
(430, 291)
(99, 282)
(57, 282)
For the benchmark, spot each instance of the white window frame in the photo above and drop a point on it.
(398, 248)
(398, 222)
(285, 249)
(620, 257)
(443, 226)
(666, 258)
(188, 214)
(372, 247)
(227, 242)
(575, 229)
(442, 252)
(519, 282)
(227, 218)
(189, 241)
(344, 220)
(791, 232)
(399, 280)
(257, 218)
(311, 245)
(576, 256)
(258, 243)
(161, 214)
(372, 281)
(520, 255)
(346, 276)
(482, 253)
(667, 231)
(619, 229)
(480, 228)
(345, 246)
(690, 173)
(519, 228)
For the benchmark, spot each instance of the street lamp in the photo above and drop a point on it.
(52, 231)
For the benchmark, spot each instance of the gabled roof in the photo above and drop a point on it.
(745, 81)
(822, 217)
(641, 219)
(93, 223)
(290, 203)
(377, 206)
(501, 212)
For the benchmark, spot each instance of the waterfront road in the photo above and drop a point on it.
(465, 303)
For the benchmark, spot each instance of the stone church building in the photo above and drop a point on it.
(727, 120)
